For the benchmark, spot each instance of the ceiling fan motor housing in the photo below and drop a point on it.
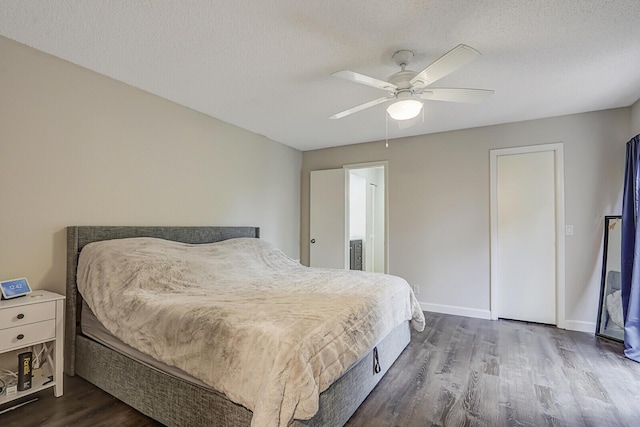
(402, 79)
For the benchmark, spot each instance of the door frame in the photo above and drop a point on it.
(385, 166)
(558, 149)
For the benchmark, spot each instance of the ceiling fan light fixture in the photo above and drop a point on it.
(405, 109)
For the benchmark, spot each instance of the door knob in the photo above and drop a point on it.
(313, 240)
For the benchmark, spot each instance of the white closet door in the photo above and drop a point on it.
(526, 234)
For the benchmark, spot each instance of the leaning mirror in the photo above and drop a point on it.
(610, 323)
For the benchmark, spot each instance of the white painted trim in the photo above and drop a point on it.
(558, 149)
(384, 163)
(456, 310)
(493, 241)
(570, 325)
(580, 326)
(347, 217)
(560, 236)
(385, 166)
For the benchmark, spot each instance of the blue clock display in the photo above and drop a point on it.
(15, 288)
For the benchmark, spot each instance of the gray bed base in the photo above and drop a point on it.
(173, 401)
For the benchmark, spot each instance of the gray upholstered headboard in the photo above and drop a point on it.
(79, 236)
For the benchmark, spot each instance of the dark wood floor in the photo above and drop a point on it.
(458, 372)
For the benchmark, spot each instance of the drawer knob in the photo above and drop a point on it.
(20, 316)
(20, 336)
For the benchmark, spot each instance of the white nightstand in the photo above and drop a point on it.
(34, 320)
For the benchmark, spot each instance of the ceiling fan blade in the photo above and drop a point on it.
(470, 96)
(456, 58)
(365, 80)
(360, 107)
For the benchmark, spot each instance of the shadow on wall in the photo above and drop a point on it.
(58, 265)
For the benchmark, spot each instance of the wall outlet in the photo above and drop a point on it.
(416, 289)
(569, 230)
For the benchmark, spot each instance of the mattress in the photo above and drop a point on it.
(92, 328)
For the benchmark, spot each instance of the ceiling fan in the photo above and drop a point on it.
(408, 87)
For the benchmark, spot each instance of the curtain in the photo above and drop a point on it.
(631, 251)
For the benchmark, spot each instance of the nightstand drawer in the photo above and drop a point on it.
(26, 335)
(26, 314)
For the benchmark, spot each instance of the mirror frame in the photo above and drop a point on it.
(610, 222)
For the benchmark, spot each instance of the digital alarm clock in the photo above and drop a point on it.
(15, 288)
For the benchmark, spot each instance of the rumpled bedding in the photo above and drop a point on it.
(243, 317)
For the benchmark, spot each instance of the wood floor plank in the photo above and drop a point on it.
(458, 372)
(485, 353)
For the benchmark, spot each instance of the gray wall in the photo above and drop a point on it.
(78, 148)
(439, 204)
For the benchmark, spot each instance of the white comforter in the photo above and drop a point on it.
(243, 317)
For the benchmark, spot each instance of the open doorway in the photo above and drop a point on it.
(348, 218)
(366, 207)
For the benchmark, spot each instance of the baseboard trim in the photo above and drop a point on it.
(580, 326)
(571, 325)
(456, 310)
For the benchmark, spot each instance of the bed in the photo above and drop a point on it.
(172, 399)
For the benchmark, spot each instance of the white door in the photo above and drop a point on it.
(524, 236)
(327, 222)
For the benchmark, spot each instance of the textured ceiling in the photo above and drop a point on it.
(266, 65)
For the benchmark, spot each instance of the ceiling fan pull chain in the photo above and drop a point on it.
(386, 130)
